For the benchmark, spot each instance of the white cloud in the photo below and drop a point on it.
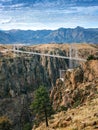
(5, 0)
(17, 5)
(47, 18)
(6, 21)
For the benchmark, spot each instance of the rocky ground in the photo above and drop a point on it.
(76, 100)
(83, 117)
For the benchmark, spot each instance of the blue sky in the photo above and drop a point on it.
(47, 14)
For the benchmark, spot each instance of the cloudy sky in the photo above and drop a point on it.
(48, 14)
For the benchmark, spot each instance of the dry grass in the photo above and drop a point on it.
(46, 48)
(63, 46)
(83, 118)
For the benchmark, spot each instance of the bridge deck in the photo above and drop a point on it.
(48, 55)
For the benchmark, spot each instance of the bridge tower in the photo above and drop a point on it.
(73, 53)
(14, 48)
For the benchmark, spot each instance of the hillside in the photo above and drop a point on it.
(21, 74)
(61, 35)
(35, 69)
(77, 99)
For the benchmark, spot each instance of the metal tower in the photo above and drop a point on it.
(73, 52)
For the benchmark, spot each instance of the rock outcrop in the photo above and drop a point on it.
(77, 100)
(79, 85)
(21, 74)
(25, 73)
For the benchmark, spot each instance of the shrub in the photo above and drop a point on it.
(91, 57)
(5, 123)
(63, 108)
(77, 103)
(27, 126)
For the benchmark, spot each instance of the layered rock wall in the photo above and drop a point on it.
(79, 85)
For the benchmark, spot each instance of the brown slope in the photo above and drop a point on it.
(79, 95)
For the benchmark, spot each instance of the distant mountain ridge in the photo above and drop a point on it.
(61, 35)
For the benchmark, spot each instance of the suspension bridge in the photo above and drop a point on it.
(73, 55)
(48, 55)
(72, 52)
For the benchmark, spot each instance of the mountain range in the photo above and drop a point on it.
(61, 35)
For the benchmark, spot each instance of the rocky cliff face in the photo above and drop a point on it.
(20, 74)
(79, 85)
(77, 100)
(27, 73)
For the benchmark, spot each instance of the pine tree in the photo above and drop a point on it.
(41, 105)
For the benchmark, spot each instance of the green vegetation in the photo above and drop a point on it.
(92, 57)
(77, 103)
(41, 105)
(5, 123)
(22, 49)
(63, 108)
(27, 126)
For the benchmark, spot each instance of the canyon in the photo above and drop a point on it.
(21, 74)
